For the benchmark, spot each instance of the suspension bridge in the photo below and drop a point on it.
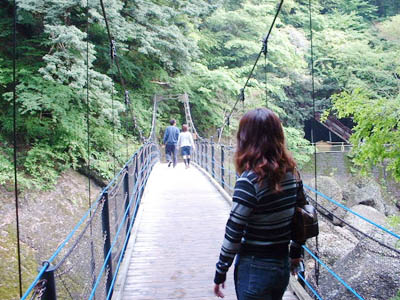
(154, 232)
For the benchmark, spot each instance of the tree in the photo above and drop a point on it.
(376, 137)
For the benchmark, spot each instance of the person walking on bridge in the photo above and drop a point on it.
(258, 231)
(186, 144)
(170, 140)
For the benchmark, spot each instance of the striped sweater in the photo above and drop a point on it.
(259, 222)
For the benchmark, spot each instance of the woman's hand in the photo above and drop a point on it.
(217, 290)
(294, 264)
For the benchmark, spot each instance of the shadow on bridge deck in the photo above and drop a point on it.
(176, 242)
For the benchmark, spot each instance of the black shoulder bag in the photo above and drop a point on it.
(305, 219)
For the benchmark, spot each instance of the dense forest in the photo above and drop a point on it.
(205, 48)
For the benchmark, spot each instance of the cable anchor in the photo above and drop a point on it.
(113, 49)
(241, 95)
(265, 46)
(127, 99)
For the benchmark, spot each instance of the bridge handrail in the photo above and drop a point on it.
(351, 211)
(117, 235)
(348, 287)
(47, 263)
(124, 247)
(146, 152)
(309, 286)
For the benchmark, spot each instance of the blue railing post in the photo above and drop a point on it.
(222, 166)
(135, 176)
(105, 222)
(50, 292)
(127, 196)
(196, 153)
(212, 158)
(141, 171)
(201, 154)
(229, 167)
(206, 154)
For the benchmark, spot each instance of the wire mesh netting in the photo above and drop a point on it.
(85, 265)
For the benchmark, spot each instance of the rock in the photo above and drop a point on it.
(367, 192)
(334, 242)
(367, 212)
(372, 270)
(330, 188)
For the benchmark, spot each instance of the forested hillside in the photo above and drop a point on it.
(205, 48)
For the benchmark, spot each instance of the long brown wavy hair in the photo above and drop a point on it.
(261, 147)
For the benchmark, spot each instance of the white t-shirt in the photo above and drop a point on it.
(185, 139)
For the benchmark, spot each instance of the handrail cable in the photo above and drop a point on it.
(126, 238)
(47, 263)
(351, 211)
(333, 273)
(265, 51)
(310, 287)
(265, 41)
(15, 144)
(313, 128)
(352, 227)
(92, 261)
(126, 93)
(115, 240)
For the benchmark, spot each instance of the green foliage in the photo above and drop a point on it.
(376, 138)
(298, 146)
(394, 221)
(6, 168)
(397, 297)
(204, 49)
(43, 164)
(390, 29)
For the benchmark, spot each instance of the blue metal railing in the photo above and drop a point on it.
(82, 266)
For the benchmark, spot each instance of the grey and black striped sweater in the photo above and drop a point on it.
(259, 222)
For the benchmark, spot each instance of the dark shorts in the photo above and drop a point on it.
(185, 150)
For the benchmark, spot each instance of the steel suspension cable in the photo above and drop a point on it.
(88, 102)
(265, 50)
(15, 144)
(92, 260)
(265, 41)
(313, 132)
(126, 93)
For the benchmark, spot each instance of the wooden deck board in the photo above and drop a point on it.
(178, 239)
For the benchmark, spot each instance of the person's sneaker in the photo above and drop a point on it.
(169, 164)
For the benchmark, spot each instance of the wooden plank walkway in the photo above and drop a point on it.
(178, 237)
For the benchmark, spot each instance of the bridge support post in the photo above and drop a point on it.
(197, 151)
(135, 176)
(50, 292)
(206, 155)
(212, 158)
(222, 167)
(142, 171)
(127, 197)
(105, 222)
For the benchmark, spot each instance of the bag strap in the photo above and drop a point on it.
(301, 198)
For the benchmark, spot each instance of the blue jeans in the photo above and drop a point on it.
(171, 153)
(261, 278)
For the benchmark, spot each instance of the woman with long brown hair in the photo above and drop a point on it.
(186, 144)
(259, 227)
